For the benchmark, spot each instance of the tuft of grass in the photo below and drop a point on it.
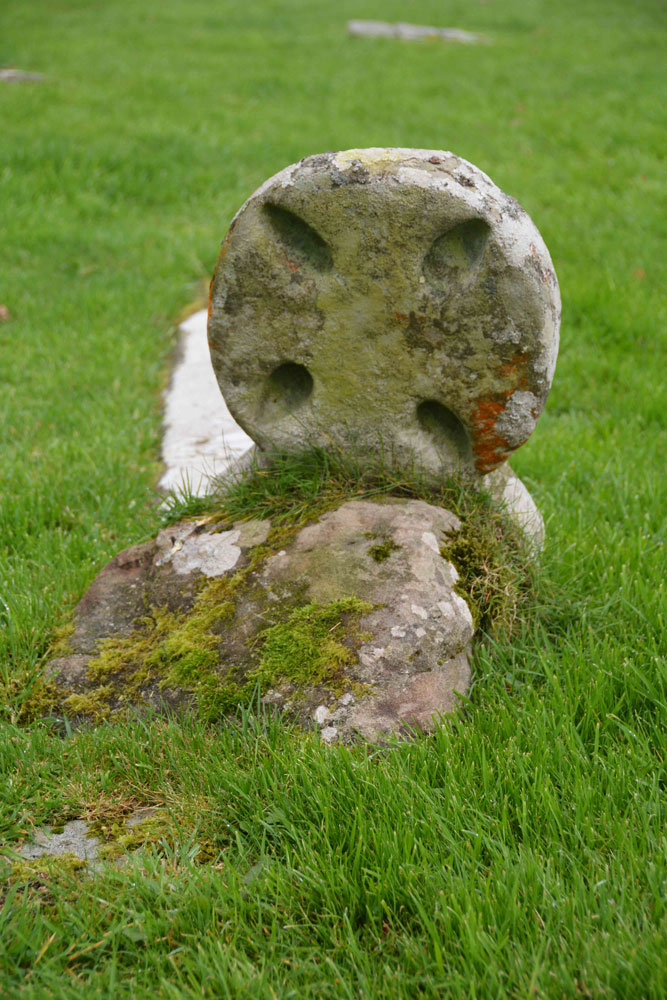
(498, 574)
(495, 562)
(375, 860)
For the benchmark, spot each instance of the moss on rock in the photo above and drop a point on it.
(307, 648)
(181, 653)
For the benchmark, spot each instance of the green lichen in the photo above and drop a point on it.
(157, 834)
(174, 649)
(44, 700)
(60, 644)
(47, 865)
(48, 877)
(91, 704)
(181, 650)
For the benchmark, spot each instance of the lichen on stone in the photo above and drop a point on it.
(46, 877)
(60, 644)
(154, 832)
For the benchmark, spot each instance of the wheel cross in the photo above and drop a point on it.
(388, 299)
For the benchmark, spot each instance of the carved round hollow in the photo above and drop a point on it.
(388, 300)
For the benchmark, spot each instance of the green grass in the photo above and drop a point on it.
(521, 852)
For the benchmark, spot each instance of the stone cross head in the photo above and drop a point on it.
(386, 300)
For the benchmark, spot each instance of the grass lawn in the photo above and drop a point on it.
(518, 853)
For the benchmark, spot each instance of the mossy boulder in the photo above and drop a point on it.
(351, 622)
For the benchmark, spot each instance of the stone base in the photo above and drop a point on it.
(351, 623)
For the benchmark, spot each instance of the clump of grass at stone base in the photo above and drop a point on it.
(179, 650)
(495, 561)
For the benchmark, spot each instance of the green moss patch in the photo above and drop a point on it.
(47, 878)
(182, 657)
(308, 648)
(157, 832)
(382, 549)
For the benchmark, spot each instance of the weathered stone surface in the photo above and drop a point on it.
(511, 494)
(388, 299)
(416, 657)
(74, 839)
(406, 658)
(163, 573)
(210, 553)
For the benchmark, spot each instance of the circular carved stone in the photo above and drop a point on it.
(386, 300)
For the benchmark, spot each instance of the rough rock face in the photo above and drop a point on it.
(165, 573)
(396, 633)
(391, 298)
(415, 658)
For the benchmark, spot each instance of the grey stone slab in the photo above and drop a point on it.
(73, 839)
(10, 75)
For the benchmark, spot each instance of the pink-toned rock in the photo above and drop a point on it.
(407, 644)
(415, 660)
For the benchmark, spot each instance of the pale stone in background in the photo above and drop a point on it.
(412, 32)
(10, 75)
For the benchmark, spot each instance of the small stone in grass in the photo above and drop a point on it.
(9, 75)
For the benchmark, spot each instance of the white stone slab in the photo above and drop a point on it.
(201, 437)
(10, 75)
(412, 32)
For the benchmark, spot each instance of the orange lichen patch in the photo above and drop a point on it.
(515, 369)
(490, 447)
(292, 267)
